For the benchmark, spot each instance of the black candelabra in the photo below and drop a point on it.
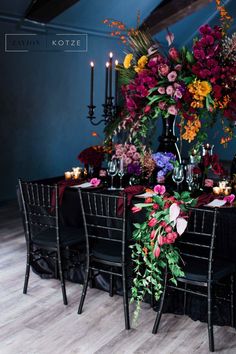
(110, 105)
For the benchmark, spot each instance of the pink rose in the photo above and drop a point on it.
(152, 222)
(132, 148)
(178, 67)
(157, 252)
(174, 54)
(172, 76)
(163, 69)
(162, 105)
(161, 90)
(172, 110)
(159, 189)
(168, 229)
(136, 156)
(169, 90)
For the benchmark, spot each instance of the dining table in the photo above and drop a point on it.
(71, 216)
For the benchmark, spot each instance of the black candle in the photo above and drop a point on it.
(116, 83)
(91, 83)
(106, 82)
(110, 81)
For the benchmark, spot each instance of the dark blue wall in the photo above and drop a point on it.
(43, 102)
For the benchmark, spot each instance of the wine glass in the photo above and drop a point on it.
(189, 175)
(178, 175)
(112, 171)
(121, 170)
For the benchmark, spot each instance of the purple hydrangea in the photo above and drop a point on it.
(134, 169)
(164, 162)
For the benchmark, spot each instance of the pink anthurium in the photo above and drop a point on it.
(181, 225)
(229, 198)
(174, 211)
(159, 189)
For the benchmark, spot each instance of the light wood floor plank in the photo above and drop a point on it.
(38, 323)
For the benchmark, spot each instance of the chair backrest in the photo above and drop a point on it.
(102, 221)
(198, 241)
(40, 207)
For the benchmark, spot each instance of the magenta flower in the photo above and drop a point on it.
(159, 189)
(172, 76)
(172, 110)
(174, 54)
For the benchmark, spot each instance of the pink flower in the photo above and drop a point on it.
(95, 182)
(178, 67)
(152, 222)
(162, 105)
(168, 229)
(208, 182)
(172, 110)
(159, 189)
(132, 149)
(229, 198)
(170, 38)
(163, 69)
(153, 234)
(173, 53)
(161, 90)
(178, 94)
(136, 156)
(157, 252)
(155, 206)
(169, 90)
(161, 240)
(136, 209)
(172, 76)
(147, 109)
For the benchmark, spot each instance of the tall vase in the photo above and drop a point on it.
(168, 139)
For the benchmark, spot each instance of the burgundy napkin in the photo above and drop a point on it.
(131, 192)
(61, 188)
(205, 198)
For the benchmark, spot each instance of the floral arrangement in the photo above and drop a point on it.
(165, 162)
(93, 155)
(211, 162)
(197, 84)
(153, 249)
(130, 156)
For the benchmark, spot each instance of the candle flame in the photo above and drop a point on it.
(107, 64)
(111, 55)
(116, 62)
(92, 64)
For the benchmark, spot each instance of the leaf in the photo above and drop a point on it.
(181, 225)
(174, 211)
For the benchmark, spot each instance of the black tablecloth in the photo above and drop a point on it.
(196, 307)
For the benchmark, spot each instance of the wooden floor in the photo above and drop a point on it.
(38, 323)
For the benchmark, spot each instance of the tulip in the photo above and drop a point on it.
(157, 252)
(136, 209)
(152, 222)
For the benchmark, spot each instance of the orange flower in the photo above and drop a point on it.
(145, 250)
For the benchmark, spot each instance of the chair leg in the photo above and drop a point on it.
(56, 269)
(91, 279)
(125, 297)
(210, 325)
(185, 298)
(111, 285)
(232, 315)
(61, 275)
(85, 286)
(159, 313)
(27, 273)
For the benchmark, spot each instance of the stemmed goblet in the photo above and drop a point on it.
(189, 175)
(112, 171)
(178, 175)
(121, 170)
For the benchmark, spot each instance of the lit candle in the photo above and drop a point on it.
(216, 190)
(91, 83)
(227, 190)
(116, 84)
(106, 82)
(67, 175)
(110, 81)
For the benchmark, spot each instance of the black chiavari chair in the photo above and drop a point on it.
(43, 229)
(202, 271)
(106, 241)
